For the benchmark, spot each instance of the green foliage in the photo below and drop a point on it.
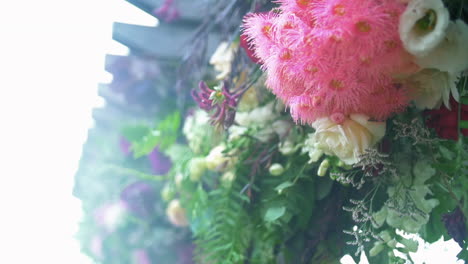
(144, 139)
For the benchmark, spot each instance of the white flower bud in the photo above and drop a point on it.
(276, 169)
(322, 170)
(228, 177)
(176, 214)
(178, 178)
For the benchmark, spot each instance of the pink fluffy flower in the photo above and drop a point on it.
(333, 56)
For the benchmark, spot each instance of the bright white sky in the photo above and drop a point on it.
(52, 57)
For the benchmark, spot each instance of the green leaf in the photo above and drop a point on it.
(463, 254)
(284, 185)
(274, 213)
(323, 187)
(134, 132)
(446, 153)
(163, 136)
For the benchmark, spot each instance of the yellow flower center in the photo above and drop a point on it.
(363, 26)
(339, 10)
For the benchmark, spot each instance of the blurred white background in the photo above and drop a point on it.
(52, 58)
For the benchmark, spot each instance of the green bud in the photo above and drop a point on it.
(322, 170)
(167, 193)
(276, 169)
(178, 178)
(197, 168)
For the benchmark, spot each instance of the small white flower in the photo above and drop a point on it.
(235, 132)
(423, 26)
(198, 131)
(222, 59)
(261, 119)
(258, 116)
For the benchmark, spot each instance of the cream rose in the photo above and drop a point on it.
(347, 140)
(176, 214)
(423, 25)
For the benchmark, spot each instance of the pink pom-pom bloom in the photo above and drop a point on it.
(333, 56)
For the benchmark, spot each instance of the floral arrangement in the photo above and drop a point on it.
(316, 129)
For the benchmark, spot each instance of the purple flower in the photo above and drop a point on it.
(221, 100)
(139, 198)
(140, 256)
(455, 224)
(167, 11)
(160, 163)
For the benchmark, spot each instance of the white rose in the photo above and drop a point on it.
(222, 59)
(176, 214)
(423, 25)
(347, 140)
(432, 87)
(451, 54)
